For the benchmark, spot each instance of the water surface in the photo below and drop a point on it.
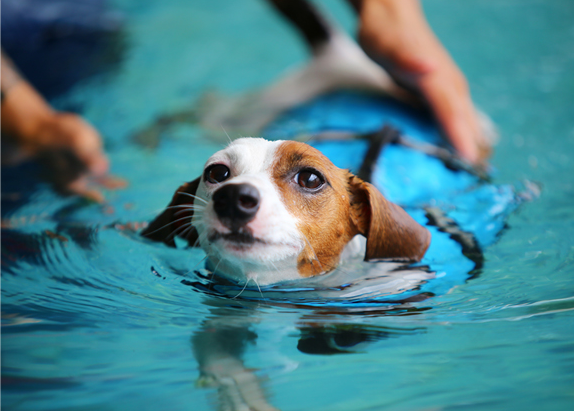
(95, 318)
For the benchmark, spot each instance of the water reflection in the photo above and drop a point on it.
(229, 332)
(345, 338)
(219, 346)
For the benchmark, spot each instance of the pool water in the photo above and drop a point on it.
(95, 318)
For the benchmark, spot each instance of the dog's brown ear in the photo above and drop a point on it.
(391, 233)
(169, 223)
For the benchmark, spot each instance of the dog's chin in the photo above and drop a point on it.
(248, 248)
(237, 242)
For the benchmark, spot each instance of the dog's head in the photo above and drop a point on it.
(275, 211)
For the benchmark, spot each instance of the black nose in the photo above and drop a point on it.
(236, 204)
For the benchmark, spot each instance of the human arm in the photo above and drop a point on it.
(69, 148)
(395, 34)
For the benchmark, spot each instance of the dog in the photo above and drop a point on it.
(272, 211)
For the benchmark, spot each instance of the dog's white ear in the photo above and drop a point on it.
(168, 224)
(391, 233)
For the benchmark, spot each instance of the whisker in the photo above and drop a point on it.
(195, 266)
(211, 272)
(164, 226)
(186, 231)
(313, 251)
(193, 196)
(274, 266)
(211, 282)
(200, 239)
(244, 287)
(193, 206)
(259, 288)
(175, 232)
(215, 269)
(187, 209)
(229, 138)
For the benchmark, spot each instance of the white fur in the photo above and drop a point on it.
(275, 258)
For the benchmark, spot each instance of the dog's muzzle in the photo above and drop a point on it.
(236, 205)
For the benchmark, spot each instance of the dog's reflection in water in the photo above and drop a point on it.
(218, 347)
(220, 343)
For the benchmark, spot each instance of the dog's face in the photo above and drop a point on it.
(276, 211)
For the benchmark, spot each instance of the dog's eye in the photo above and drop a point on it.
(309, 179)
(216, 173)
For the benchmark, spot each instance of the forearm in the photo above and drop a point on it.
(398, 31)
(10, 74)
(393, 7)
(23, 109)
(395, 34)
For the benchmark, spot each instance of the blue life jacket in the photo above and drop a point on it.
(468, 205)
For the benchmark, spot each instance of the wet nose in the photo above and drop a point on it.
(236, 204)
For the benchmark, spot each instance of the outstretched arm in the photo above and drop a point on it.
(69, 147)
(395, 34)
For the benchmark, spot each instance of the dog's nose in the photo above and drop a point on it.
(236, 204)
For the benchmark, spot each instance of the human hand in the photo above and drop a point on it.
(68, 147)
(395, 34)
(71, 152)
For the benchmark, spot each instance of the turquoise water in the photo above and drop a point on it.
(94, 318)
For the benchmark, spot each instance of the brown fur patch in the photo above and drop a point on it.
(324, 216)
(391, 233)
(344, 207)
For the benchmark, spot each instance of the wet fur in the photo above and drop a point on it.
(326, 221)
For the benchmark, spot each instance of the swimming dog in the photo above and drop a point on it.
(272, 211)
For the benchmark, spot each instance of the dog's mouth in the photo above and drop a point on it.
(242, 239)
